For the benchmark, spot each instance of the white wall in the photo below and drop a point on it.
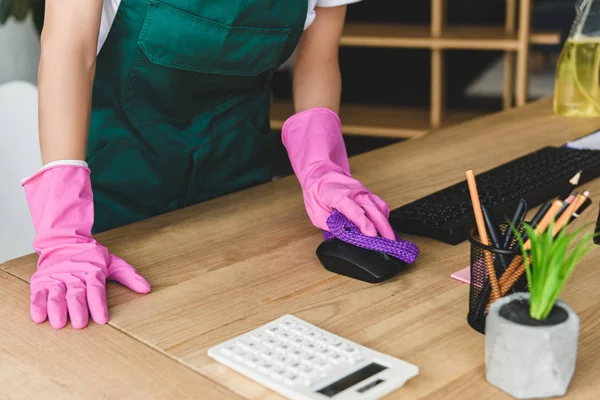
(19, 51)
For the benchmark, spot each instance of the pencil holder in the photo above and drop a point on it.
(480, 289)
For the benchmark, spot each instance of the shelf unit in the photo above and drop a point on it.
(406, 123)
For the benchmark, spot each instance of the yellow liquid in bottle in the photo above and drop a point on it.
(577, 92)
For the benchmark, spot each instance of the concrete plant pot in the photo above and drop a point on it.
(527, 358)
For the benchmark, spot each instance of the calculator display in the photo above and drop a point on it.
(352, 379)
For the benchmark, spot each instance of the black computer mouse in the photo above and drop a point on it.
(355, 262)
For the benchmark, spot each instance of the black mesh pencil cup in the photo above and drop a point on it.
(480, 288)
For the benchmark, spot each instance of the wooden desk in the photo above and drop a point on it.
(226, 266)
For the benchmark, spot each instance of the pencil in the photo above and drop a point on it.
(561, 223)
(542, 226)
(482, 233)
(568, 213)
(573, 182)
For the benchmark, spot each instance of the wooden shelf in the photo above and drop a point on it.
(453, 37)
(378, 121)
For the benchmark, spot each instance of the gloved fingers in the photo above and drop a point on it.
(77, 304)
(380, 204)
(356, 214)
(96, 297)
(380, 220)
(38, 308)
(57, 305)
(120, 271)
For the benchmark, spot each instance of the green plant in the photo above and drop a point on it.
(548, 264)
(20, 9)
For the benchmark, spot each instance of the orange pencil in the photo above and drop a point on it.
(483, 234)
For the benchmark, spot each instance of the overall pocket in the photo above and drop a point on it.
(178, 50)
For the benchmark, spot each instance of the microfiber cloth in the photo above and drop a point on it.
(343, 229)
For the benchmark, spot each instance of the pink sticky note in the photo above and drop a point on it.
(464, 275)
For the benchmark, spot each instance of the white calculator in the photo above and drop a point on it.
(303, 362)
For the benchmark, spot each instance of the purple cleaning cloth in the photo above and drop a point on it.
(345, 230)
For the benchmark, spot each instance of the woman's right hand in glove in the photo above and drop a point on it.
(72, 268)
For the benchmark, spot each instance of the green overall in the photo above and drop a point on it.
(180, 108)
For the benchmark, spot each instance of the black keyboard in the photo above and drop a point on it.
(447, 215)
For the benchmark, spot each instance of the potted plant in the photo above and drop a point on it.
(531, 338)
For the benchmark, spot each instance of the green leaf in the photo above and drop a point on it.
(6, 7)
(20, 9)
(551, 265)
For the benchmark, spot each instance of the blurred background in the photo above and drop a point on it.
(374, 76)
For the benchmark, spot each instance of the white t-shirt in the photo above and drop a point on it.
(109, 10)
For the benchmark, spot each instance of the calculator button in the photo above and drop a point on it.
(355, 359)
(277, 373)
(321, 365)
(265, 367)
(336, 358)
(228, 350)
(252, 361)
(307, 358)
(282, 348)
(310, 347)
(296, 354)
(274, 330)
(313, 334)
(297, 341)
(252, 347)
(293, 365)
(324, 352)
(239, 355)
(270, 343)
(325, 341)
(289, 324)
(291, 378)
(279, 359)
(350, 351)
(259, 337)
(268, 354)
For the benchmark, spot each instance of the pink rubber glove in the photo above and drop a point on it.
(72, 267)
(315, 146)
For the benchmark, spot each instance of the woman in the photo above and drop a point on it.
(178, 114)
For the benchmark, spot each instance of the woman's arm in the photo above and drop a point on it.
(317, 80)
(65, 77)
